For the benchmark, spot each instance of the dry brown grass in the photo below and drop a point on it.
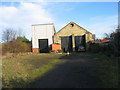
(15, 47)
(24, 68)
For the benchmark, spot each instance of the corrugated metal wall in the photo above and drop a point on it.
(42, 31)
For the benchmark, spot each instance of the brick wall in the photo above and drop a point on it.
(36, 50)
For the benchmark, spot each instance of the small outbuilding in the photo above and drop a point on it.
(73, 37)
(42, 37)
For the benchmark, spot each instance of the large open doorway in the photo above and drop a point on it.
(80, 43)
(43, 45)
(66, 44)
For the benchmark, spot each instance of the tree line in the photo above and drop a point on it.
(14, 42)
(111, 48)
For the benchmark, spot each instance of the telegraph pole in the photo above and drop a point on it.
(118, 28)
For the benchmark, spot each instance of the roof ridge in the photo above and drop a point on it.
(74, 23)
(43, 24)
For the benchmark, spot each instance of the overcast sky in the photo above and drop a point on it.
(96, 17)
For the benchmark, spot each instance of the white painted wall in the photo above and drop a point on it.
(42, 31)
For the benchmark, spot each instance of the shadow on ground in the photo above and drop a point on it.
(75, 71)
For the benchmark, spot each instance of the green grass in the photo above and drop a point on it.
(21, 70)
(107, 70)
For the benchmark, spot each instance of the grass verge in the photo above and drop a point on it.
(20, 71)
(106, 70)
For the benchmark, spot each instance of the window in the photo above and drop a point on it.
(71, 24)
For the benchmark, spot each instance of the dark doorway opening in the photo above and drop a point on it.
(80, 43)
(66, 44)
(43, 45)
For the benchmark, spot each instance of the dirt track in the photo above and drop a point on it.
(75, 71)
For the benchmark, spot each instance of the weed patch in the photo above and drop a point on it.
(107, 70)
(20, 71)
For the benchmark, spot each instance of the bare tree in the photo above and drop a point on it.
(20, 32)
(107, 35)
(9, 34)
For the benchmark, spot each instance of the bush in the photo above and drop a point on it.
(115, 42)
(23, 39)
(100, 47)
(94, 47)
(15, 47)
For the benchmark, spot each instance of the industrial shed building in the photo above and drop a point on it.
(42, 37)
(72, 36)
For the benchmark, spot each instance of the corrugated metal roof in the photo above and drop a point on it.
(43, 24)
